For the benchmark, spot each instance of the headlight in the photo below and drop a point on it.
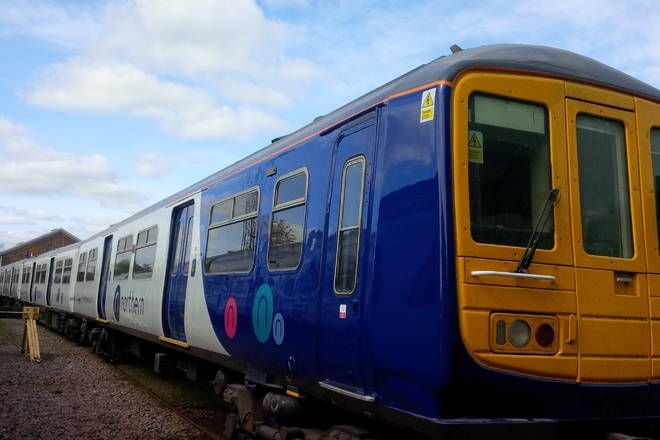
(519, 333)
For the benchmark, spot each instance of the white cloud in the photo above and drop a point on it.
(10, 215)
(201, 69)
(67, 26)
(152, 165)
(82, 85)
(28, 168)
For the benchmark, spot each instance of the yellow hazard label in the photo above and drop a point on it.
(427, 106)
(428, 100)
(475, 146)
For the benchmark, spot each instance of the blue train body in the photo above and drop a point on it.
(395, 342)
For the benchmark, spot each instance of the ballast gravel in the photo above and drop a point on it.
(73, 394)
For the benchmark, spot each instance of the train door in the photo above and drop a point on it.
(648, 135)
(341, 346)
(611, 286)
(51, 269)
(105, 277)
(32, 281)
(174, 300)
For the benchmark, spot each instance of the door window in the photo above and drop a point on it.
(655, 152)
(348, 233)
(509, 170)
(604, 196)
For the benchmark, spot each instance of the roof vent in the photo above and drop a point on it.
(455, 48)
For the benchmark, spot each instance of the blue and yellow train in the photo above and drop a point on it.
(477, 239)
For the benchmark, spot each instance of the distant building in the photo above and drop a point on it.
(56, 238)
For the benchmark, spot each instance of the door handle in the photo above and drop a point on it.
(497, 273)
(193, 269)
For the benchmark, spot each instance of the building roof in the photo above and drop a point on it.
(43, 237)
(540, 60)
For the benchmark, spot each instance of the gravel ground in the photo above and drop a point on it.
(74, 394)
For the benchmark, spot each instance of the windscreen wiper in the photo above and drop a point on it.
(533, 242)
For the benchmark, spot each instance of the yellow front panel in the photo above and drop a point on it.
(610, 338)
(607, 309)
(478, 301)
(599, 294)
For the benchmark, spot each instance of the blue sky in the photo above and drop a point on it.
(109, 106)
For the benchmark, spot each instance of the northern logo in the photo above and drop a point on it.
(116, 304)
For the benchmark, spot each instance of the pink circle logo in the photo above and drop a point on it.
(231, 317)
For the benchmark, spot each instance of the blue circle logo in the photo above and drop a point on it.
(278, 329)
(116, 304)
(262, 313)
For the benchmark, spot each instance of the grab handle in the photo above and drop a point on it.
(497, 273)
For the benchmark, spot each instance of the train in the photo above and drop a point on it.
(475, 241)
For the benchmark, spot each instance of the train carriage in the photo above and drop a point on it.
(483, 228)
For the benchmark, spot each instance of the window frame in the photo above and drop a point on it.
(89, 261)
(70, 266)
(82, 259)
(290, 204)
(230, 221)
(349, 162)
(637, 262)
(60, 263)
(547, 92)
(137, 247)
(125, 249)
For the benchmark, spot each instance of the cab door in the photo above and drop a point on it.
(614, 339)
(509, 157)
(648, 135)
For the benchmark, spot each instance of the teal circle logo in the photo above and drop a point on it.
(262, 313)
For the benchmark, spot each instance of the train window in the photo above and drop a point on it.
(221, 211)
(655, 155)
(58, 272)
(145, 253)
(350, 219)
(509, 170)
(288, 221)
(123, 258)
(231, 240)
(91, 265)
(66, 273)
(82, 264)
(604, 197)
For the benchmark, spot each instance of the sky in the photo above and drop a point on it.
(107, 107)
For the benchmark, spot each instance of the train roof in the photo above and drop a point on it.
(540, 60)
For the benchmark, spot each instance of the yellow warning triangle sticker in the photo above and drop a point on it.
(428, 100)
(474, 141)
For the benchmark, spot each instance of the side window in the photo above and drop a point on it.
(348, 232)
(509, 170)
(66, 273)
(145, 253)
(91, 265)
(604, 196)
(655, 154)
(57, 279)
(232, 234)
(287, 224)
(82, 264)
(123, 258)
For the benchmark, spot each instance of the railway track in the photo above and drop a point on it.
(208, 432)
